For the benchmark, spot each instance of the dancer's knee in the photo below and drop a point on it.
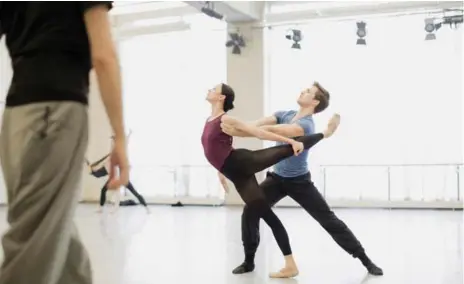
(245, 212)
(258, 208)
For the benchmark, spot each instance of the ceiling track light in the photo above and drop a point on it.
(208, 9)
(431, 27)
(361, 33)
(453, 20)
(296, 36)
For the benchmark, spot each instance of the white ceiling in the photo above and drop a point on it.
(126, 12)
(128, 7)
(281, 6)
(293, 11)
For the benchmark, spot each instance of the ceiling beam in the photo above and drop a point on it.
(371, 8)
(123, 19)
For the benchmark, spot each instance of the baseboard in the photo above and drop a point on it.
(186, 201)
(445, 205)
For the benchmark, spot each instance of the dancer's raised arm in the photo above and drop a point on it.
(268, 120)
(232, 122)
(287, 130)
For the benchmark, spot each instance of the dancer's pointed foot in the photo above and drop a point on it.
(287, 272)
(245, 267)
(374, 269)
(370, 266)
(332, 126)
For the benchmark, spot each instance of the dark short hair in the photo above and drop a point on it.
(323, 96)
(227, 91)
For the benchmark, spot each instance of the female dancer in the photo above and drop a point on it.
(241, 165)
(53, 46)
(98, 169)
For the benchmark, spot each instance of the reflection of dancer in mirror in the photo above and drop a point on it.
(241, 165)
(99, 169)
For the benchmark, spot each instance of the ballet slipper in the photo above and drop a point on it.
(285, 273)
(332, 126)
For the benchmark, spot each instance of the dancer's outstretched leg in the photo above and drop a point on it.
(265, 158)
(137, 195)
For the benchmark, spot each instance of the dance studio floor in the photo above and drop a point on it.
(202, 245)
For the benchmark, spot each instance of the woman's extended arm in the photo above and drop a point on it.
(228, 122)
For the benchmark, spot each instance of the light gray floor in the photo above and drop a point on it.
(202, 245)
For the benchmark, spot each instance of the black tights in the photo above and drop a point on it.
(129, 186)
(242, 165)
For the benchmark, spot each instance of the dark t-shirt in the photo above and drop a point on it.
(49, 50)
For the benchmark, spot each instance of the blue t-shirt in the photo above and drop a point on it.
(295, 165)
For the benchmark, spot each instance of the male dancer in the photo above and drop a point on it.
(291, 177)
(53, 46)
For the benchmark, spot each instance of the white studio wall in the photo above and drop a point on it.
(400, 99)
(166, 78)
(245, 73)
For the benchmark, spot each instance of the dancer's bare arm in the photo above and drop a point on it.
(265, 121)
(287, 130)
(228, 122)
(106, 65)
(268, 120)
(232, 131)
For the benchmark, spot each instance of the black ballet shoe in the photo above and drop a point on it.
(370, 266)
(374, 269)
(244, 268)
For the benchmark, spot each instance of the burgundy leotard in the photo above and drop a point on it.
(217, 145)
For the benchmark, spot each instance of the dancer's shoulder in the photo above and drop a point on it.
(226, 118)
(307, 123)
(282, 115)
